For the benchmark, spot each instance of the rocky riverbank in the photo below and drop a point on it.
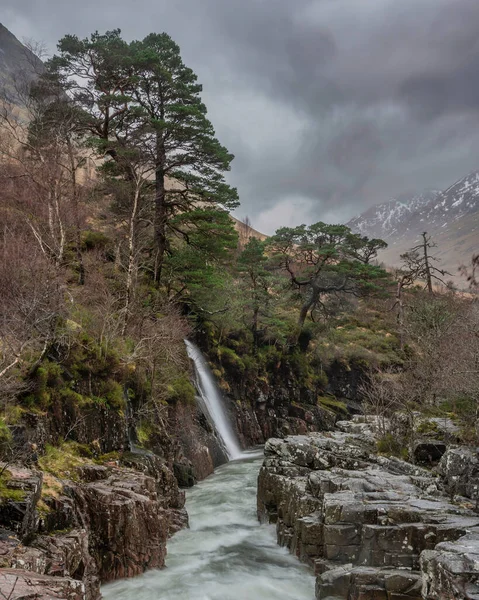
(372, 527)
(61, 538)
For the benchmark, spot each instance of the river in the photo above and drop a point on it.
(225, 554)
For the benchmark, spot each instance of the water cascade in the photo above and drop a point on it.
(225, 554)
(213, 402)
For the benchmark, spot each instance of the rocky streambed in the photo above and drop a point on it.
(373, 528)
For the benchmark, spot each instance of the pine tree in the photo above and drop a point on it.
(252, 266)
(323, 260)
(143, 90)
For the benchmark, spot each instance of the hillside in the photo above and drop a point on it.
(451, 217)
(17, 63)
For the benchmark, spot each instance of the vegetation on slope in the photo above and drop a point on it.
(117, 244)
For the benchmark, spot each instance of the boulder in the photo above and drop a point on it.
(459, 468)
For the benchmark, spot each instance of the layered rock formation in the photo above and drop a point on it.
(372, 527)
(66, 537)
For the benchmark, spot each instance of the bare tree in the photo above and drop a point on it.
(40, 141)
(471, 273)
(245, 230)
(420, 262)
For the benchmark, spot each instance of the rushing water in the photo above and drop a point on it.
(225, 554)
(213, 402)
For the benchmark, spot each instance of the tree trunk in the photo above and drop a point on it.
(303, 314)
(255, 329)
(399, 299)
(426, 264)
(73, 173)
(311, 300)
(160, 218)
(130, 274)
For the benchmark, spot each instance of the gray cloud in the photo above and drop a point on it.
(330, 106)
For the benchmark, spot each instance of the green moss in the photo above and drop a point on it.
(230, 360)
(144, 431)
(5, 433)
(13, 415)
(181, 390)
(332, 404)
(8, 493)
(62, 461)
(429, 428)
(108, 457)
(69, 396)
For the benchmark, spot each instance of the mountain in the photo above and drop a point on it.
(18, 65)
(451, 217)
(392, 219)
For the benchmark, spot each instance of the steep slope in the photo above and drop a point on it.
(17, 63)
(395, 218)
(451, 217)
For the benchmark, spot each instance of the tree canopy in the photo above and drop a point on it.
(138, 102)
(323, 259)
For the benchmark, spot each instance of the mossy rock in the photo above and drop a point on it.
(332, 404)
(7, 493)
(62, 461)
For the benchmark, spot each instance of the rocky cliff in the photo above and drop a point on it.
(372, 527)
(62, 537)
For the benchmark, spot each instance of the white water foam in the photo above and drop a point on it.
(225, 554)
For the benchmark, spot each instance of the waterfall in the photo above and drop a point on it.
(213, 402)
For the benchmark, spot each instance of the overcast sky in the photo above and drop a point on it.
(330, 106)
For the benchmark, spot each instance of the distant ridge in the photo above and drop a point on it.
(450, 216)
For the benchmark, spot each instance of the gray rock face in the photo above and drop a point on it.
(372, 527)
(460, 469)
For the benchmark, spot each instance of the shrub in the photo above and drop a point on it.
(113, 394)
(230, 360)
(181, 390)
(390, 446)
(144, 431)
(95, 240)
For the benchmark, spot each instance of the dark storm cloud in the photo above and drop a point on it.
(329, 105)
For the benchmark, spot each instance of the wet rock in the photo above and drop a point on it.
(184, 475)
(114, 522)
(451, 570)
(357, 517)
(17, 508)
(130, 516)
(365, 583)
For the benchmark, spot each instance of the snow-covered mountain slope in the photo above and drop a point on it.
(451, 217)
(392, 219)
